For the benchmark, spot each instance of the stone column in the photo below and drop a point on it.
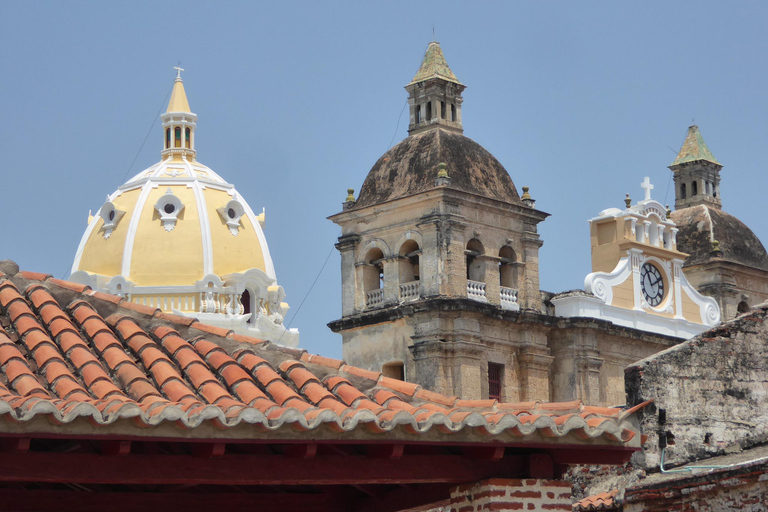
(509, 494)
(430, 263)
(453, 276)
(492, 284)
(391, 272)
(349, 279)
(529, 293)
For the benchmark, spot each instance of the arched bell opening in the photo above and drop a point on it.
(409, 269)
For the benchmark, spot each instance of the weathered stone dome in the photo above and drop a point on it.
(412, 165)
(700, 225)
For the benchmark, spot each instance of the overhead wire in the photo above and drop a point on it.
(125, 177)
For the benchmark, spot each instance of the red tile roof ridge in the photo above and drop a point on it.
(69, 285)
(34, 276)
(224, 364)
(601, 501)
(632, 410)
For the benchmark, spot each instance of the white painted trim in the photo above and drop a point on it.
(708, 308)
(591, 307)
(268, 264)
(205, 227)
(130, 237)
(601, 284)
(83, 240)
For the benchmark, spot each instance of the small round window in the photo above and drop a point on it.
(111, 215)
(169, 208)
(231, 213)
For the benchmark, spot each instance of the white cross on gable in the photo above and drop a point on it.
(646, 184)
(178, 69)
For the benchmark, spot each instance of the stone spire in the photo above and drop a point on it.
(434, 94)
(694, 148)
(179, 124)
(696, 173)
(434, 66)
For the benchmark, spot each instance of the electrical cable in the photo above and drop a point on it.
(307, 294)
(154, 120)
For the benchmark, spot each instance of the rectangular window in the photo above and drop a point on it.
(495, 380)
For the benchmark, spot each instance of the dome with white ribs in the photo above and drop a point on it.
(179, 237)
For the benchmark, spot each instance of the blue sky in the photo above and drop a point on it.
(297, 100)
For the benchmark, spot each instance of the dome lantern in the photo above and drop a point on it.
(434, 94)
(179, 124)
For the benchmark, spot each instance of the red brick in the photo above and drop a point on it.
(506, 506)
(525, 494)
(489, 494)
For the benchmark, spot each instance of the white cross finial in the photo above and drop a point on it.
(178, 69)
(646, 184)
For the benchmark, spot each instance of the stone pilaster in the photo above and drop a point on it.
(346, 246)
(535, 363)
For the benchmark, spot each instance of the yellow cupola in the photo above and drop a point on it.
(179, 237)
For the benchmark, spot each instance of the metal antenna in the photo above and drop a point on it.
(433, 33)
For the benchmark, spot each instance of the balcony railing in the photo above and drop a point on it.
(374, 298)
(409, 291)
(476, 291)
(508, 298)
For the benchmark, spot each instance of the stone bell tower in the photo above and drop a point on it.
(439, 258)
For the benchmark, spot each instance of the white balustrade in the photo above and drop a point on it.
(409, 291)
(508, 298)
(476, 291)
(374, 298)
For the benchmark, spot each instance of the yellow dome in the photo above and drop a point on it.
(179, 237)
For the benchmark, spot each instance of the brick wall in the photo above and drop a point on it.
(743, 492)
(509, 494)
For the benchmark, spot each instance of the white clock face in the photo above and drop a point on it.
(652, 284)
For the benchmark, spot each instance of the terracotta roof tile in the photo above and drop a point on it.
(247, 391)
(245, 339)
(35, 276)
(199, 374)
(300, 376)
(602, 501)
(69, 285)
(176, 319)
(211, 329)
(325, 361)
(316, 392)
(114, 299)
(407, 388)
(440, 399)
(281, 392)
(151, 368)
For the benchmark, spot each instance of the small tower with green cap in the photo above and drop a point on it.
(434, 94)
(696, 173)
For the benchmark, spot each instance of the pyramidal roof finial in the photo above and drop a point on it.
(434, 66)
(178, 102)
(694, 148)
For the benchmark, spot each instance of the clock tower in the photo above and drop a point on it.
(637, 278)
